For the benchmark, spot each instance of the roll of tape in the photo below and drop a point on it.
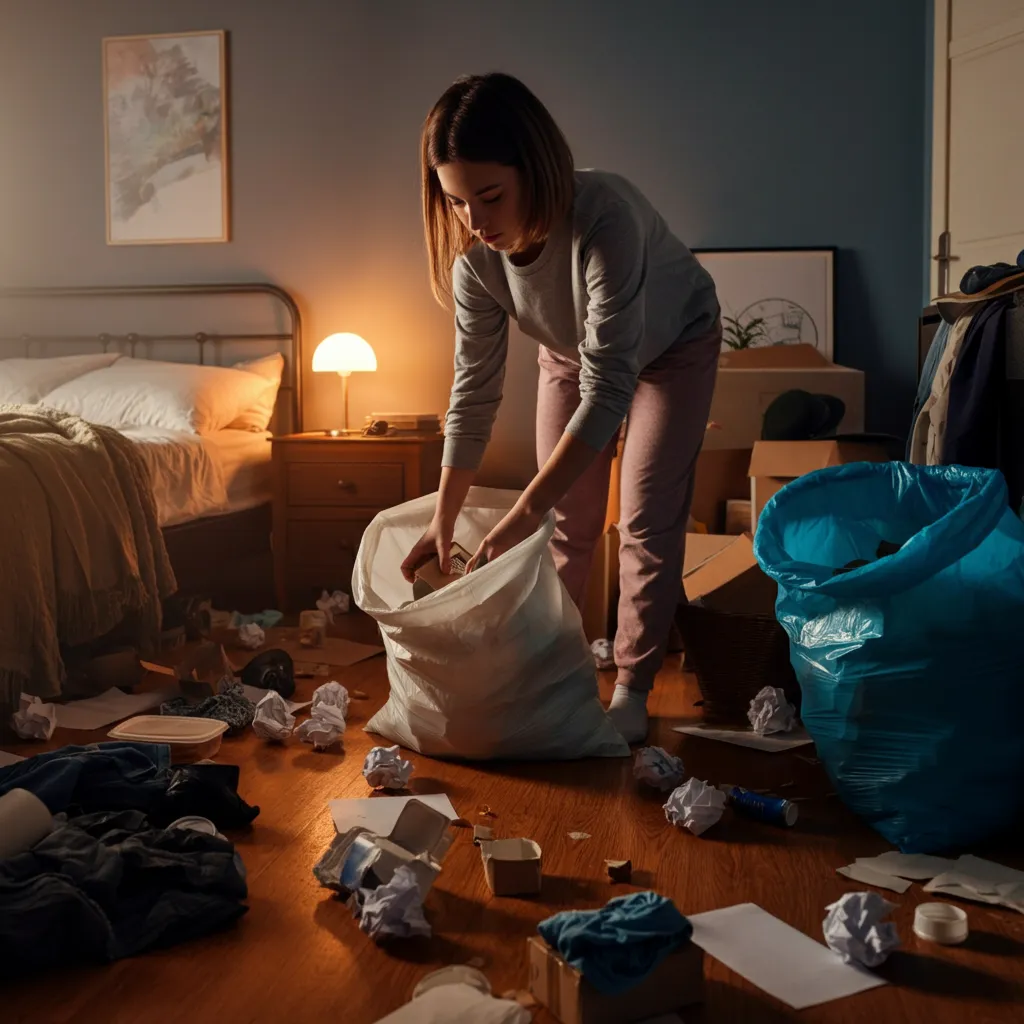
(940, 922)
(24, 820)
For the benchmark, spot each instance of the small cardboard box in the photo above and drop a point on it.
(723, 574)
(751, 379)
(774, 464)
(676, 982)
(512, 866)
(430, 578)
(737, 516)
(419, 840)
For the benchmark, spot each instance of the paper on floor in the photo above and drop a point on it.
(335, 651)
(380, 813)
(855, 928)
(866, 875)
(782, 961)
(907, 865)
(748, 738)
(113, 705)
(982, 881)
(257, 693)
(7, 758)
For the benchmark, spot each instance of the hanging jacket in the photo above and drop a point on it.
(924, 386)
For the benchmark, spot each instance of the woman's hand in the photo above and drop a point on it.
(515, 527)
(437, 540)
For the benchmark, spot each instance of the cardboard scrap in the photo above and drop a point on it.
(619, 870)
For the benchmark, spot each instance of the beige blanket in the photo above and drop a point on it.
(80, 547)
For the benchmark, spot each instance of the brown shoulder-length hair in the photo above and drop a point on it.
(491, 118)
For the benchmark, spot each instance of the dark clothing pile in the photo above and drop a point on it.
(112, 880)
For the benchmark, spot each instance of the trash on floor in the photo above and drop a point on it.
(579, 836)
(251, 636)
(512, 867)
(310, 669)
(858, 872)
(855, 930)
(456, 995)
(334, 603)
(604, 654)
(326, 720)
(482, 833)
(188, 738)
(486, 812)
(981, 881)
(941, 922)
(393, 909)
(771, 712)
(658, 768)
(619, 870)
(384, 769)
(272, 720)
(380, 814)
(312, 628)
(34, 720)
(749, 738)
(266, 619)
(630, 960)
(695, 806)
(772, 809)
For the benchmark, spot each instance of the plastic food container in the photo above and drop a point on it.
(941, 922)
(190, 739)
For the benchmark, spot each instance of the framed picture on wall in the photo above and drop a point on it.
(774, 296)
(165, 128)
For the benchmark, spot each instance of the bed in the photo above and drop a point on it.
(212, 489)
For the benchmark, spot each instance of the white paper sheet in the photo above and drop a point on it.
(866, 875)
(748, 738)
(257, 693)
(907, 865)
(7, 758)
(379, 813)
(782, 961)
(105, 708)
(982, 881)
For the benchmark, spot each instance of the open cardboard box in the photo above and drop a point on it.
(419, 841)
(722, 572)
(773, 464)
(676, 982)
(512, 866)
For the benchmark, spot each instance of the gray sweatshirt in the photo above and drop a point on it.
(612, 290)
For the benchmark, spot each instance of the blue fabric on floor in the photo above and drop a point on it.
(99, 777)
(617, 946)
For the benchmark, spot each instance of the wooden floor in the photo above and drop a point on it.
(298, 956)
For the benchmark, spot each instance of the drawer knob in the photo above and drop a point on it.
(346, 485)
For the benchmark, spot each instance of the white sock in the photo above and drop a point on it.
(628, 712)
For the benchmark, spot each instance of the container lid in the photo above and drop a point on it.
(940, 922)
(172, 729)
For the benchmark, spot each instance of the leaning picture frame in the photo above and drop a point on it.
(165, 138)
(775, 296)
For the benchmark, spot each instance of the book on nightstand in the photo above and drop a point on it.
(409, 422)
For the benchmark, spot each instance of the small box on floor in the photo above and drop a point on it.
(512, 866)
(676, 982)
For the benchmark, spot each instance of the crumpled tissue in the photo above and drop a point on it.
(384, 769)
(604, 653)
(251, 635)
(273, 720)
(34, 720)
(771, 712)
(327, 716)
(854, 928)
(695, 806)
(658, 768)
(333, 604)
(393, 909)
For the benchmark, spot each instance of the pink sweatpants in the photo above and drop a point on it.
(664, 432)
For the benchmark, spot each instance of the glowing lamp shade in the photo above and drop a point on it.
(344, 354)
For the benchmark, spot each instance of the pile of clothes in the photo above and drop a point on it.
(135, 859)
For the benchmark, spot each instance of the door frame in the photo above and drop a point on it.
(941, 10)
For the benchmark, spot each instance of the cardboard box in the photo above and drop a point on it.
(512, 866)
(751, 379)
(676, 982)
(737, 516)
(419, 840)
(430, 578)
(723, 573)
(773, 464)
(721, 474)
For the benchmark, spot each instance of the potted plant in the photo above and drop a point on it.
(738, 335)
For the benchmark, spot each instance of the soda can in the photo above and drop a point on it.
(772, 809)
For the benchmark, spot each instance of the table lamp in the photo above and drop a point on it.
(343, 354)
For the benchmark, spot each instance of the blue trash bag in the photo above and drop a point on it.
(910, 667)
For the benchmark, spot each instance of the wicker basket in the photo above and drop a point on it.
(733, 655)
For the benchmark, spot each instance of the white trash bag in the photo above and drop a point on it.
(494, 665)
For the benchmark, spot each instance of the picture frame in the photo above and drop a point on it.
(165, 117)
(791, 291)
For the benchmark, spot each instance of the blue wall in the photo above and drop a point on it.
(748, 123)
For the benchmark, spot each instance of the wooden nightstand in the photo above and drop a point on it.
(326, 491)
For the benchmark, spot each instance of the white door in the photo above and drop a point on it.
(977, 136)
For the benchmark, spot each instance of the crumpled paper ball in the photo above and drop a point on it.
(854, 928)
(695, 806)
(34, 720)
(273, 720)
(327, 716)
(771, 712)
(384, 769)
(394, 909)
(604, 653)
(337, 603)
(658, 768)
(251, 635)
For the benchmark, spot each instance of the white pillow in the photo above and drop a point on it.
(170, 396)
(24, 381)
(258, 417)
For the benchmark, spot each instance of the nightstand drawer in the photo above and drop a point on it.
(375, 485)
(317, 544)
